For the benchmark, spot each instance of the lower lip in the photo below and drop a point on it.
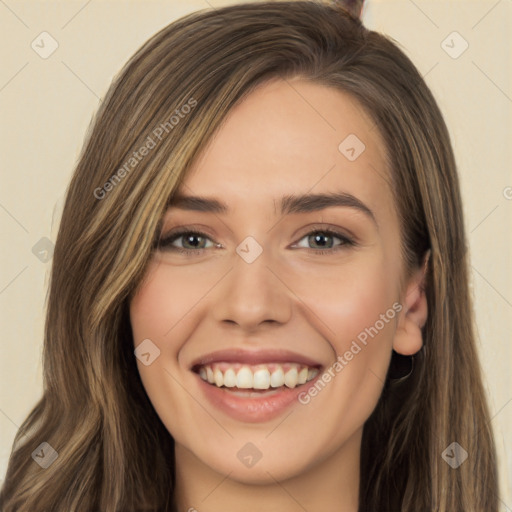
(253, 409)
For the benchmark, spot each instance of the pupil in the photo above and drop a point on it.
(318, 239)
(192, 237)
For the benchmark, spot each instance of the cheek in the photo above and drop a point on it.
(349, 298)
(158, 312)
(162, 305)
(161, 312)
(356, 310)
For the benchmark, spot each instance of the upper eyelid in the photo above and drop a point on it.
(174, 235)
(345, 239)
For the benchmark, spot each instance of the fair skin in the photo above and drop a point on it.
(281, 140)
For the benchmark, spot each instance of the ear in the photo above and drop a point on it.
(408, 337)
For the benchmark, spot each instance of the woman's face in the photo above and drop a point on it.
(296, 276)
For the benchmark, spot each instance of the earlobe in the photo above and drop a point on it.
(408, 337)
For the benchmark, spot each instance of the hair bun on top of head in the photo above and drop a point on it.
(354, 7)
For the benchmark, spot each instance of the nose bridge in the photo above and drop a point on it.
(250, 293)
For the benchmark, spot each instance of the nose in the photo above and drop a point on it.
(252, 294)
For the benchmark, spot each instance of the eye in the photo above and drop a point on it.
(192, 241)
(323, 239)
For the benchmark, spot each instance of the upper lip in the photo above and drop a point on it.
(252, 357)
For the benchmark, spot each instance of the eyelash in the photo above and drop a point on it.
(165, 243)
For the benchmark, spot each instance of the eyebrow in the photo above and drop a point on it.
(289, 204)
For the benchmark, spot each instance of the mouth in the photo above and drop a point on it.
(254, 386)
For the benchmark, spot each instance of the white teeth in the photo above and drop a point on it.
(219, 378)
(230, 378)
(277, 378)
(290, 378)
(244, 378)
(261, 379)
(271, 375)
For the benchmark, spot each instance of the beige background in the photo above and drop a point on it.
(47, 104)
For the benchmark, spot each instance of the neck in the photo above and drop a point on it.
(331, 484)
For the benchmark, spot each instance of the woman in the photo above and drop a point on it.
(315, 351)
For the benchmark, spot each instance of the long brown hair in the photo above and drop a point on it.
(114, 453)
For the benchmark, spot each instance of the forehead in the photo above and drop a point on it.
(292, 137)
